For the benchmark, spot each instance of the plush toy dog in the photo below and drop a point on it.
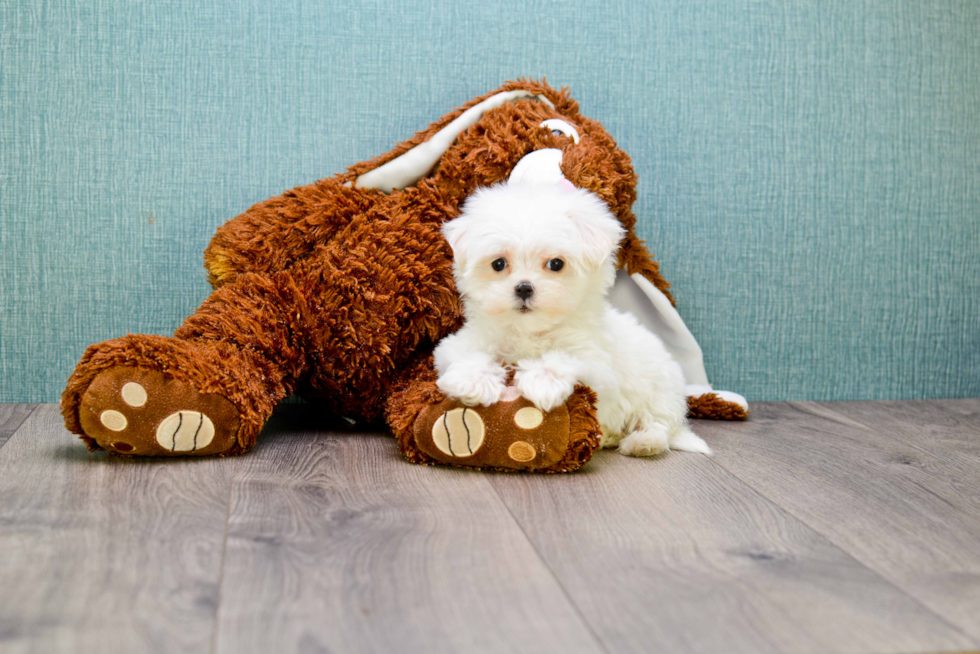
(339, 290)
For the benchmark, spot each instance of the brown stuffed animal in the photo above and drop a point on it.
(339, 290)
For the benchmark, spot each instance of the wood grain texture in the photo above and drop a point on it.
(337, 545)
(676, 555)
(101, 554)
(949, 429)
(815, 528)
(912, 516)
(11, 417)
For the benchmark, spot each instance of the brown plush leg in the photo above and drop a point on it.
(344, 321)
(158, 396)
(366, 303)
(207, 390)
(510, 435)
(275, 233)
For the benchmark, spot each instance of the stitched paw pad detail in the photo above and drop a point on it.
(134, 411)
(512, 433)
(185, 431)
(459, 432)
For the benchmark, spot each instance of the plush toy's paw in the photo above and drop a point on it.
(128, 410)
(161, 396)
(650, 441)
(510, 435)
(705, 402)
(480, 386)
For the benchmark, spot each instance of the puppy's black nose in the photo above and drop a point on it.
(524, 290)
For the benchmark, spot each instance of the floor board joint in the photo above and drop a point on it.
(12, 416)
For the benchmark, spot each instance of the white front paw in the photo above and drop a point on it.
(544, 387)
(646, 442)
(473, 385)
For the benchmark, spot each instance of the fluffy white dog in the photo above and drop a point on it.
(533, 264)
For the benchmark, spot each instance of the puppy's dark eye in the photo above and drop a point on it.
(555, 265)
(499, 264)
(556, 132)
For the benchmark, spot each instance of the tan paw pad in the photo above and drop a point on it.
(528, 418)
(134, 395)
(460, 432)
(113, 420)
(522, 451)
(185, 431)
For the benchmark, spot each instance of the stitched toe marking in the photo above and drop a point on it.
(521, 451)
(185, 431)
(133, 394)
(459, 432)
(113, 420)
(528, 418)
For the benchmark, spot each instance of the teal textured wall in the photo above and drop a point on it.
(809, 172)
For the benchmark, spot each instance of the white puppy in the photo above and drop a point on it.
(533, 264)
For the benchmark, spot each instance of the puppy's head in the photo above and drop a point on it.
(533, 254)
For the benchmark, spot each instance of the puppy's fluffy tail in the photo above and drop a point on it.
(687, 441)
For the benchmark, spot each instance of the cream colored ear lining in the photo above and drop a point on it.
(546, 101)
(635, 294)
(561, 126)
(407, 169)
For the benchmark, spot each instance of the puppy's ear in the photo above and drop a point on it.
(455, 233)
(601, 231)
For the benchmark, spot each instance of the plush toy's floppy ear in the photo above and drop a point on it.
(601, 231)
(410, 167)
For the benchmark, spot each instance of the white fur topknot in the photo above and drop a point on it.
(564, 332)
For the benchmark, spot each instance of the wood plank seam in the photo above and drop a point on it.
(547, 566)
(221, 569)
(80, 500)
(9, 431)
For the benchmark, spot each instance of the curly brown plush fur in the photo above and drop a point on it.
(275, 233)
(334, 291)
(712, 407)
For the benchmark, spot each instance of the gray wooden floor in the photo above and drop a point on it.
(846, 527)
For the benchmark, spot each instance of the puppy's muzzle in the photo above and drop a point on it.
(524, 290)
